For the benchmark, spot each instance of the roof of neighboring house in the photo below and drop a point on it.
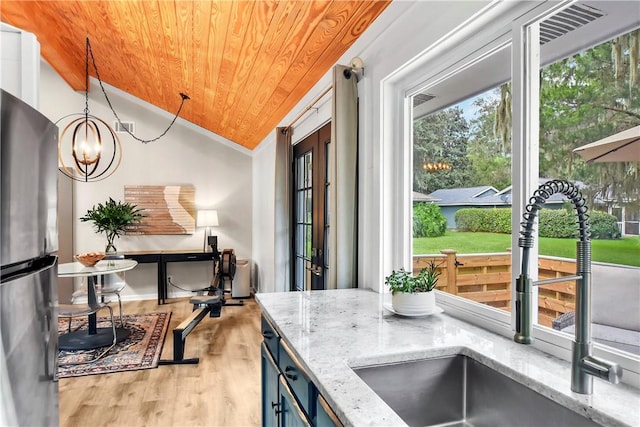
(421, 197)
(555, 198)
(483, 196)
(462, 196)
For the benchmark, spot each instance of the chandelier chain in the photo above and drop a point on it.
(86, 81)
(95, 67)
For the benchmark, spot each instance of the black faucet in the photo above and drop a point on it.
(584, 366)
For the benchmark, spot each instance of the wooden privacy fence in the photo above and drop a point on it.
(486, 278)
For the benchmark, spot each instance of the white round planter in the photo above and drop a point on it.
(414, 304)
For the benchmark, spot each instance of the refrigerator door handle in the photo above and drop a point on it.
(32, 267)
(50, 348)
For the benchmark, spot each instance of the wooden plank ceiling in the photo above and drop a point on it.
(245, 64)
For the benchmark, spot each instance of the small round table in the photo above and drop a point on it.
(93, 337)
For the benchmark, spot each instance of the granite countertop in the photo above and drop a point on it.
(333, 331)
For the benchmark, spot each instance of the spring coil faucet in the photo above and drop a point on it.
(584, 366)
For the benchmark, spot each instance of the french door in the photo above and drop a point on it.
(310, 214)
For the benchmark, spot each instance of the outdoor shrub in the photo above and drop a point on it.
(603, 225)
(484, 220)
(428, 220)
(563, 224)
(558, 223)
(499, 220)
(468, 220)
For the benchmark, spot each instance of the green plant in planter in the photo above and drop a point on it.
(403, 281)
(113, 218)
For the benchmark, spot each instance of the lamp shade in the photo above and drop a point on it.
(207, 218)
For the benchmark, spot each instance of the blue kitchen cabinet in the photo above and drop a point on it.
(289, 397)
(270, 394)
(291, 413)
(325, 417)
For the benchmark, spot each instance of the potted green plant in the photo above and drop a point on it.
(112, 218)
(412, 295)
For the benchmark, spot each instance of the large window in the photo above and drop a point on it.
(462, 168)
(585, 96)
(470, 182)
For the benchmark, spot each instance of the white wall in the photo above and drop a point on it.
(20, 64)
(263, 215)
(220, 171)
(400, 34)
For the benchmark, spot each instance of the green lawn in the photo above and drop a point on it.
(625, 251)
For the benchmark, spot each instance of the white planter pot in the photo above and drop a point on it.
(414, 304)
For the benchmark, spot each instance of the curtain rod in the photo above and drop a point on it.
(310, 106)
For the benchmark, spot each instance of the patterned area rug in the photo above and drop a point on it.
(140, 350)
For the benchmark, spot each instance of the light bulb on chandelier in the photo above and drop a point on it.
(87, 157)
(436, 166)
(88, 148)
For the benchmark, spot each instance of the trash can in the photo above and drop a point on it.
(242, 279)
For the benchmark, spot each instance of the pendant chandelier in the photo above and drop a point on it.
(436, 166)
(88, 148)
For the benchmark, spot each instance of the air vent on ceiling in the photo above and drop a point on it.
(421, 98)
(567, 20)
(124, 127)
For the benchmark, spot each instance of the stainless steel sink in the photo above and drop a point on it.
(460, 391)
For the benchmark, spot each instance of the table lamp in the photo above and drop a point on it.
(207, 218)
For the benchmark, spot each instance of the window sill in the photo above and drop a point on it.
(553, 342)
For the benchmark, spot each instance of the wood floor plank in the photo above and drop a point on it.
(222, 390)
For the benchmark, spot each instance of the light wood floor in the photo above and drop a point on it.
(222, 390)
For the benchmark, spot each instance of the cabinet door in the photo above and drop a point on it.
(325, 417)
(291, 415)
(297, 378)
(270, 396)
(271, 338)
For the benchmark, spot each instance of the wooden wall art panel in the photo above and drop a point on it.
(168, 209)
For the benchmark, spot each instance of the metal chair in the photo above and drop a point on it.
(111, 284)
(84, 310)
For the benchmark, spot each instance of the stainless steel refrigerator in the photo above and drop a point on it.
(28, 277)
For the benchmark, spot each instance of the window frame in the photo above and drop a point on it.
(454, 52)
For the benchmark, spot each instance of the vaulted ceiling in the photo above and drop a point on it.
(244, 64)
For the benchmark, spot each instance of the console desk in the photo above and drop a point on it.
(162, 257)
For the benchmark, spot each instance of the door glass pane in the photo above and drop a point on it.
(308, 241)
(308, 206)
(300, 173)
(308, 158)
(299, 240)
(300, 205)
(299, 274)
